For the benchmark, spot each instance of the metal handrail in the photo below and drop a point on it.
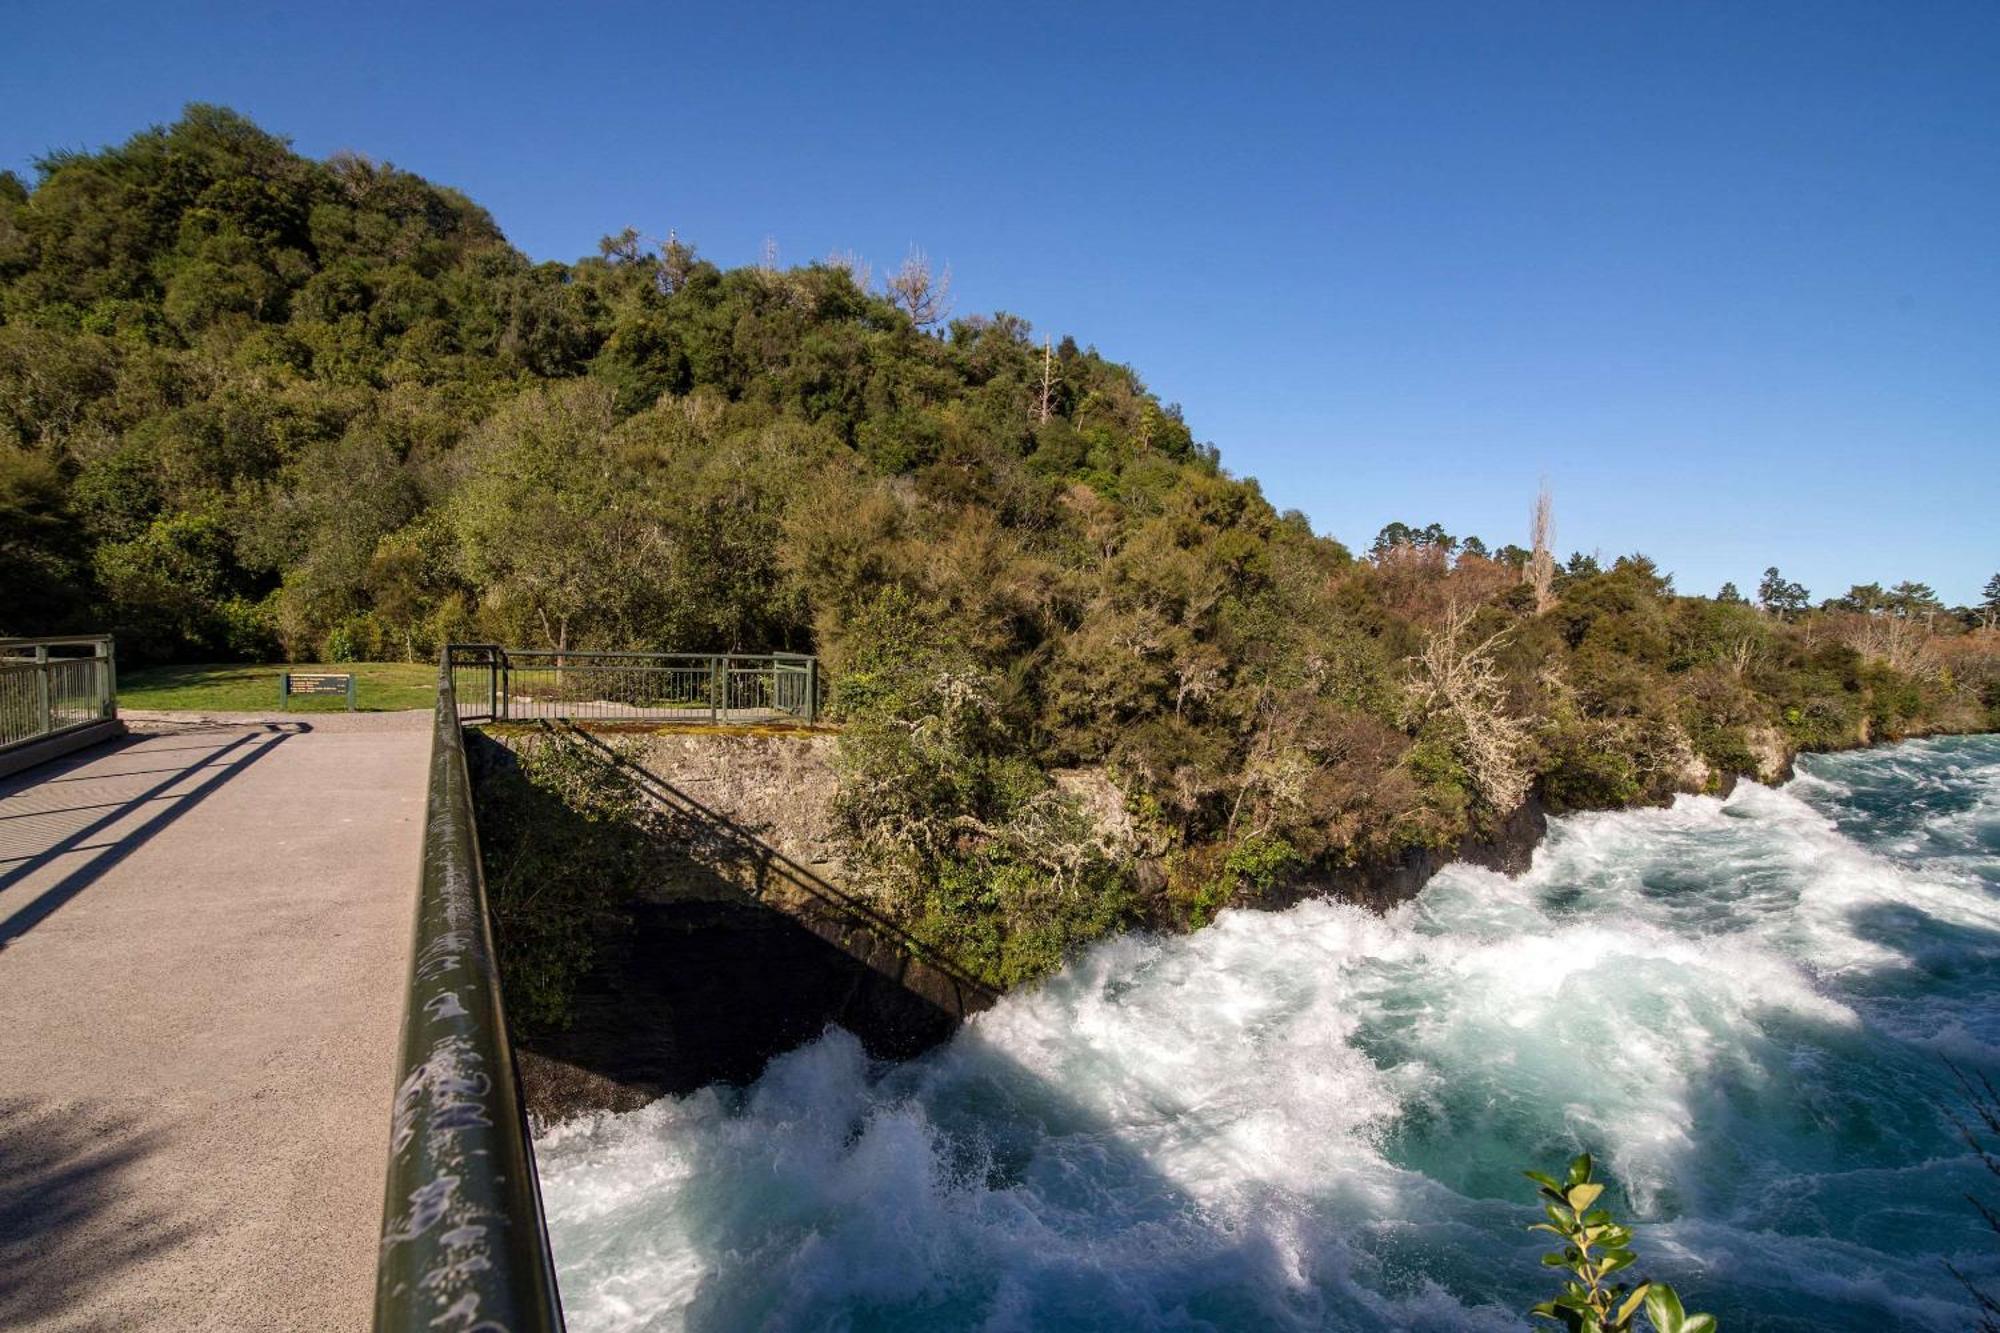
(58, 641)
(44, 695)
(559, 685)
(574, 654)
(464, 1245)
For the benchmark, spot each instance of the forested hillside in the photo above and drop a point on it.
(252, 404)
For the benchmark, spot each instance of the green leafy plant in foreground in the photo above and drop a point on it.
(1595, 1247)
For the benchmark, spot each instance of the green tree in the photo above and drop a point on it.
(549, 522)
(1780, 597)
(1391, 537)
(1866, 598)
(180, 589)
(1912, 600)
(40, 547)
(1436, 538)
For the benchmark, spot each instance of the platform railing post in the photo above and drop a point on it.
(42, 726)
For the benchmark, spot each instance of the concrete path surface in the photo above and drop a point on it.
(204, 937)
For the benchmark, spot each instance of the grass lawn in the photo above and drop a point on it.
(236, 687)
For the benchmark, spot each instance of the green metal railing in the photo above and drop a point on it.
(524, 684)
(49, 686)
(463, 1242)
(464, 1246)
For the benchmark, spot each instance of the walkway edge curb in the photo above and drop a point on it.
(55, 747)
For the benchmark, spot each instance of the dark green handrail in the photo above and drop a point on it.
(546, 684)
(463, 1242)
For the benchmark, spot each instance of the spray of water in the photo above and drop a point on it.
(1315, 1119)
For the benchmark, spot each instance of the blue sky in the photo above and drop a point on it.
(1727, 275)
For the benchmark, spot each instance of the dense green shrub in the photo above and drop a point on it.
(566, 839)
(1588, 770)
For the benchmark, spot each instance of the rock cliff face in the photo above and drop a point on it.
(1774, 755)
(744, 946)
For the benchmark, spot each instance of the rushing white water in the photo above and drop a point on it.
(1316, 1119)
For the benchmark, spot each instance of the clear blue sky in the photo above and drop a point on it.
(1727, 274)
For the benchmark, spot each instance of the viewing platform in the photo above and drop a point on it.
(204, 948)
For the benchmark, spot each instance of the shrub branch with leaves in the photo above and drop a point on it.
(1596, 1248)
(1980, 1101)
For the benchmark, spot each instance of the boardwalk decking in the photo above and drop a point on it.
(203, 946)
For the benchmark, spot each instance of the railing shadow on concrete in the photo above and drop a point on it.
(67, 1211)
(241, 752)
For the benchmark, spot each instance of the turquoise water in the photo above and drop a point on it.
(1315, 1119)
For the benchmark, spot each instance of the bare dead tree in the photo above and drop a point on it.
(1741, 655)
(1462, 682)
(1542, 563)
(1048, 379)
(923, 295)
(854, 266)
(1196, 680)
(1902, 644)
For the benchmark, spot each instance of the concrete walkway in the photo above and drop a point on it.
(204, 937)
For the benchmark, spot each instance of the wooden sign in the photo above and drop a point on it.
(315, 682)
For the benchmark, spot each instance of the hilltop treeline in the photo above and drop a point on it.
(255, 404)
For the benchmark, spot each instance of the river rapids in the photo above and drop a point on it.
(1317, 1118)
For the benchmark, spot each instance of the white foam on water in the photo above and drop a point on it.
(1314, 1119)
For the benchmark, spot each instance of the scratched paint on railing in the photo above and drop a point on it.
(463, 1247)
